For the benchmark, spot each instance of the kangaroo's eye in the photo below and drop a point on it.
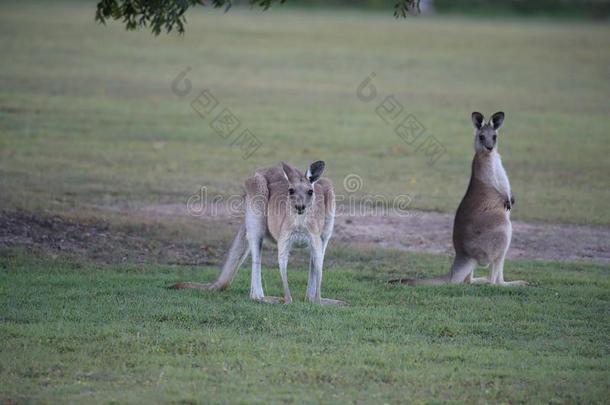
(310, 192)
(291, 191)
(495, 136)
(481, 137)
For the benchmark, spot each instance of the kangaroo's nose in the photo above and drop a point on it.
(489, 148)
(300, 208)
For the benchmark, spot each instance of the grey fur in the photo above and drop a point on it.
(288, 207)
(482, 229)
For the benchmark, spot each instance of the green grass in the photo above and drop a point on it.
(78, 332)
(88, 124)
(87, 117)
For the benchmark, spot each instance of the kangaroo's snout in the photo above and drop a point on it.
(300, 208)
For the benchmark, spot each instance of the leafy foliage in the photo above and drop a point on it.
(167, 15)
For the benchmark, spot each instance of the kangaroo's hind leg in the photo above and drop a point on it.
(461, 270)
(316, 262)
(283, 251)
(471, 279)
(314, 284)
(497, 274)
(256, 228)
(497, 271)
(478, 280)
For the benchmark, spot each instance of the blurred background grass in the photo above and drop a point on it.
(595, 9)
(88, 118)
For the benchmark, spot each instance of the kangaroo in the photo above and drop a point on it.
(289, 207)
(482, 229)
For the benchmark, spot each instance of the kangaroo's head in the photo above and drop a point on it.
(486, 133)
(300, 186)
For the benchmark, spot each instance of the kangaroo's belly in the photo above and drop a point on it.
(484, 237)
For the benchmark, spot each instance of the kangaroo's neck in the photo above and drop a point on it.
(300, 221)
(487, 169)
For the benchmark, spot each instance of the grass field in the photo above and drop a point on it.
(78, 332)
(88, 118)
(91, 132)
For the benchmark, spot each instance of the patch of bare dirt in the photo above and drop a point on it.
(98, 241)
(430, 232)
(416, 231)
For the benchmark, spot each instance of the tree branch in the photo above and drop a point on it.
(168, 15)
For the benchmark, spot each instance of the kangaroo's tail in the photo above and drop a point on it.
(237, 254)
(460, 270)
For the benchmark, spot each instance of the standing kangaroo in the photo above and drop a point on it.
(482, 229)
(289, 207)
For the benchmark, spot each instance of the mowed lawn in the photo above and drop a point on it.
(78, 332)
(91, 130)
(88, 118)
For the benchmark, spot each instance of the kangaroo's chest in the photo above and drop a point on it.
(500, 176)
(299, 236)
(295, 228)
(295, 235)
(494, 175)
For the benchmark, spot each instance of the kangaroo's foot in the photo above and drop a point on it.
(196, 286)
(479, 280)
(329, 301)
(512, 283)
(271, 300)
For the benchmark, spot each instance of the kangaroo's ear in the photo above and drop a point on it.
(497, 119)
(315, 171)
(288, 172)
(477, 119)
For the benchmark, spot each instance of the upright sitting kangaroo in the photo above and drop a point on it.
(289, 207)
(482, 230)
